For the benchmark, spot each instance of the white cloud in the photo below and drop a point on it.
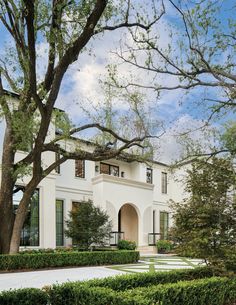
(173, 147)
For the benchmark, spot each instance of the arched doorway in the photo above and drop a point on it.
(128, 222)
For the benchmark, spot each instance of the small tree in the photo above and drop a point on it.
(88, 225)
(205, 224)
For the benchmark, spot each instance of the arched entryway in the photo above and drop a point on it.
(128, 222)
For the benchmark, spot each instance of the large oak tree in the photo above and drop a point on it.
(66, 27)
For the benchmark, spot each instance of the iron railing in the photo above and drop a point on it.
(115, 236)
(153, 238)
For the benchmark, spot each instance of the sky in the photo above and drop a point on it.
(177, 111)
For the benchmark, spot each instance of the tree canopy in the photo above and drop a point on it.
(65, 28)
(191, 53)
(205, 222)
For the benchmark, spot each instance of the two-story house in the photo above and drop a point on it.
(135, 195)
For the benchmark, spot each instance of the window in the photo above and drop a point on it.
(30, 230)
(59, 223)
(109, 169)
(80, 168)
(164, 183)
(58, 168)
(164, 224)
(149, 175)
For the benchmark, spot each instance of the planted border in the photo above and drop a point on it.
(25, 296)
(110, 286)
(210, 291)
(50, 260)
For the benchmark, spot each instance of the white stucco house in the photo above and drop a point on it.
(136, 196)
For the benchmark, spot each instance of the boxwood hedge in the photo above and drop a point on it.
(50, 260)
(210, 291)
(26, 296)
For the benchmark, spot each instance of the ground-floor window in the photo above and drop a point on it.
(59, 223)
(164, 224)
(30, 231)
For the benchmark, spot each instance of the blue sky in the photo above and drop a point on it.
(81, 83)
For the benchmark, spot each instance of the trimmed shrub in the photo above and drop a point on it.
(130, 281)
(212, 291)
(164, 246)
(126, 244)
(26, 296)
(48, 260)
(111, 286)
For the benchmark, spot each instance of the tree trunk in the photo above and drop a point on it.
(19, 221)
(6, 191)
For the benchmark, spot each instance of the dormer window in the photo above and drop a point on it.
(149, 175)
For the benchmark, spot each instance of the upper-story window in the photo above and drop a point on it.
(109, 169)
(80, 168)
(58, 168)
(164, 183)
(149, 175)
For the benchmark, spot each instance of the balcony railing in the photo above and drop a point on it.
(153, 238)
(115, 236)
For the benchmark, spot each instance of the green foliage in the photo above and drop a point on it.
(47, 260)
(164, 246)
(26, 296)
(132, 281)
(228, 138)
(210, 291)
(204, 291)
(205, 224)
(88, 225)
(126, 245)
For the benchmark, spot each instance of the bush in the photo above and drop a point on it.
(126, 245)
(130, 281)
(88, 226)
(26, 296)
(111, 287)
(164, 246)
(212, 291)
(48, 250)
(48, 260)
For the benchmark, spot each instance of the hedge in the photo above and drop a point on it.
(109, 286)
(130, 281)
(211, 291)
(195, 291)
(25, 296)
(48, 260)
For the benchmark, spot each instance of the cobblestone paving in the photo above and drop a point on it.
(160, 263)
